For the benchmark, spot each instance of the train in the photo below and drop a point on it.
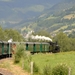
(6, 48)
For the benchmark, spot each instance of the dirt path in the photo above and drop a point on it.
(7, 66)
(5, 72)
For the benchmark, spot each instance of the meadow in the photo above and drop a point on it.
(53, 60)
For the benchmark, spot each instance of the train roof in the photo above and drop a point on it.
(24, 42)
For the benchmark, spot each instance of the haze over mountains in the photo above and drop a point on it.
(51, 15)
(15, 11)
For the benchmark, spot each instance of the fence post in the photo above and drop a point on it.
(69, 73)
(31, 67)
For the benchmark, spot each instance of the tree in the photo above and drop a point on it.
(43, 33)
(72, 44)
(63, 41)
(7, 34)
(2, 36)
(14, 34)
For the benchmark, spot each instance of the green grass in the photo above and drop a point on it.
(54, 59)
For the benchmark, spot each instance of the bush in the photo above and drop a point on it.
(19, 52)
(47, 70)
(22, 57)
(61, 69)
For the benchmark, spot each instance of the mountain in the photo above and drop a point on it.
(52, 16)
(60, 17)
(14, 12)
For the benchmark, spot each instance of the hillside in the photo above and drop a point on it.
(16, 12)
(52, 17)
(62, 19)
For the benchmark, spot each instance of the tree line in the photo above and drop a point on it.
(66, 43)
(7, 34)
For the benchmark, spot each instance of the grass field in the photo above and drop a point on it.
(54, 59)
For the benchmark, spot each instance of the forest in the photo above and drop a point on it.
(6, 34)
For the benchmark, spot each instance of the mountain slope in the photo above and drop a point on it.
(13, 12)
(39, 15)
(62, 20)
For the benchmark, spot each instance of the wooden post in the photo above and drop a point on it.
(31, 68)
(69, 73)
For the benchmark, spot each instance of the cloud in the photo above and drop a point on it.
(6, 0)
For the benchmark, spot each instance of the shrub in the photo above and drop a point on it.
(61, 69)
(22, 57)
(19, 52)
(47, 70)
